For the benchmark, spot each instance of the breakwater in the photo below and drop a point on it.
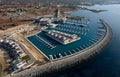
(79, 57)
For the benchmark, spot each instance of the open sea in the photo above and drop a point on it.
(107, 63)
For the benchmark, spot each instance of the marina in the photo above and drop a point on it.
(53, 48)
(64, 42)
(58, 61)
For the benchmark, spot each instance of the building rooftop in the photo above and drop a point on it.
(61, 37)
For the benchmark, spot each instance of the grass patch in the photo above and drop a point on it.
(26, 58)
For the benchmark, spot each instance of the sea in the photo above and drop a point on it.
(106, 63)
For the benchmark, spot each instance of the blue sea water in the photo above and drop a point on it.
(107, 63)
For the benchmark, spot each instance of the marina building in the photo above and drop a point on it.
(62, 37)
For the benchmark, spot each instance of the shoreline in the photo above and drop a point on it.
(68, 61)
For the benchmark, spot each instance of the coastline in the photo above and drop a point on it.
(58, 64)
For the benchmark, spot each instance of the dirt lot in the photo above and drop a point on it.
(26, 16)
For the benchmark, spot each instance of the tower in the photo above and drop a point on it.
(57, 13)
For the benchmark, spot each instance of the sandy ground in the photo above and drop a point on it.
(3, 63)
(11, 29)
(14, 18)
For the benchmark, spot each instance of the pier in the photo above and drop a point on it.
(46, 42)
